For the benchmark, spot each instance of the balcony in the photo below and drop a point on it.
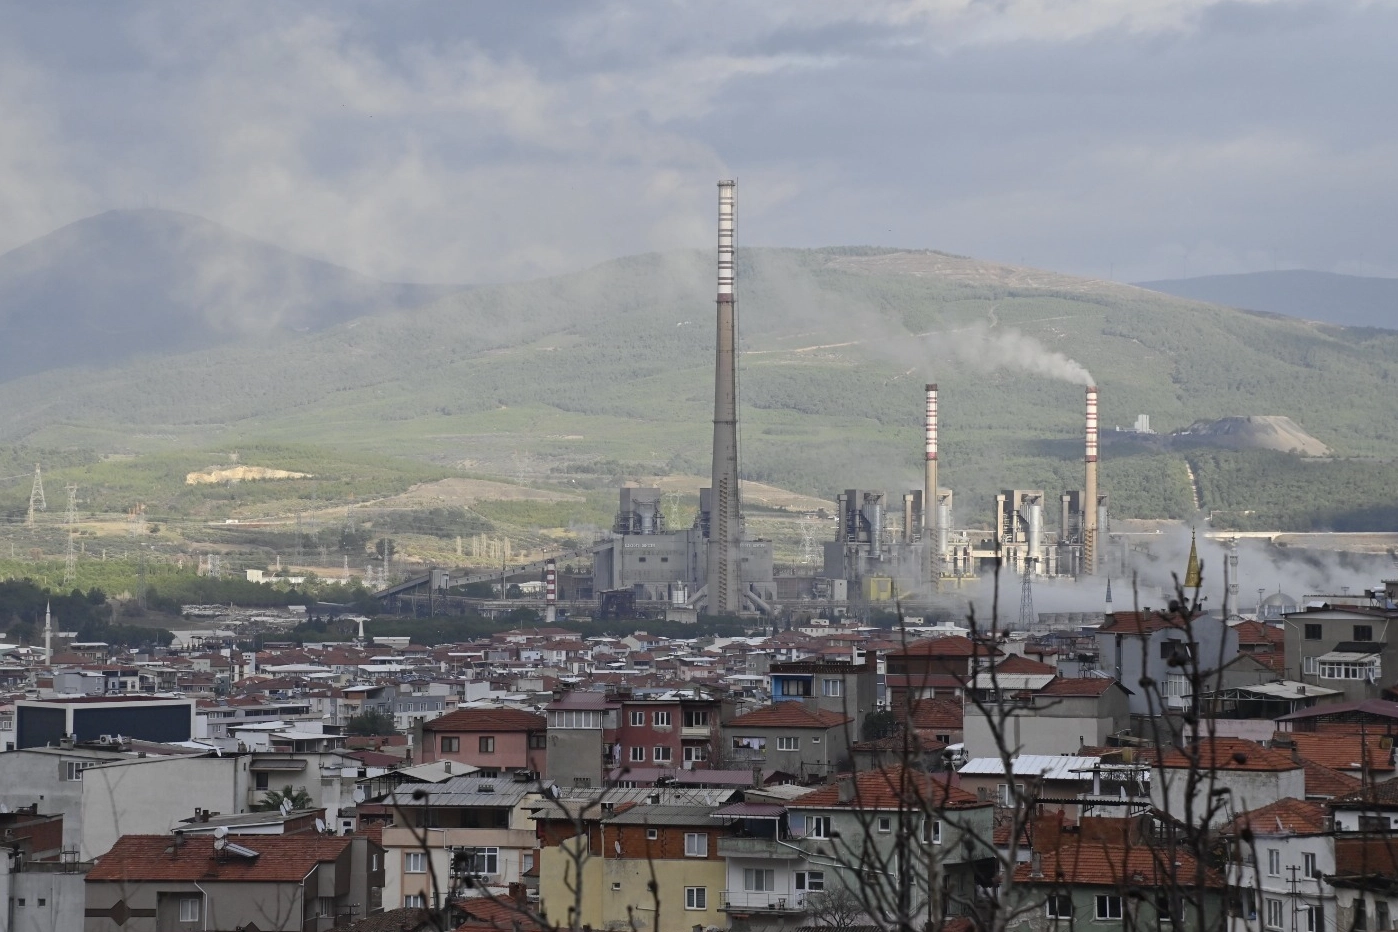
(737, 846)
(744, 900)
(695, 733)
(747, 755)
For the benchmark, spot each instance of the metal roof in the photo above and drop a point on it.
(1050, 767)
(1347, 656)
(1034, 681)
(466, 791)
(663, 815)
(750, 811)
(1289, 689)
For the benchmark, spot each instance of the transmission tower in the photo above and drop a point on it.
(1027, 618)
(37, 502)
(298, 538)
(808, 540)
(215, 570)
(70, 565)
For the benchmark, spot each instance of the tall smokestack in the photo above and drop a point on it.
(929, 483)
(550, 591)
(1089, 505)
(725, 521)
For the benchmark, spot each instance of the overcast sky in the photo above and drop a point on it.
(481, 141)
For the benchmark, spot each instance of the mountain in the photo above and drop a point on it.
(153, 282)
(1347, 300)
(608, 371)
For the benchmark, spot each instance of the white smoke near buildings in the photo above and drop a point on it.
(985, 347)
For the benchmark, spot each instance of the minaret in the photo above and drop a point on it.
(1193, 578)
(725, 519)
(48, 636)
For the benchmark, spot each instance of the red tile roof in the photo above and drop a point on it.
(487, 720)
(1343, 752)
(1324, 783)
(1283, 817)
(893, 787)
(933, 714)
(1016, 663)
(1143, 622)
(1104, 865)
(492, 913)
(789, 714)
(1225, 754)
(281, 859)
(1254, 632)
(1078, 686)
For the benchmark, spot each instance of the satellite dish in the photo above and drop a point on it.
(221, 832)
(358, 794)
(320, 826)
(220, 843)
(285, 807)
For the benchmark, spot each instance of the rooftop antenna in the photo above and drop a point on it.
(37, 502)
(1027, 618)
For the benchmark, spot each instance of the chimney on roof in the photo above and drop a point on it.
(845, 789)
(1036, 865)
(757, 776)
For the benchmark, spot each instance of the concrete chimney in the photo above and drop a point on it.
(930, 513)
(1089, 505)
(550, 591)
(725, 521)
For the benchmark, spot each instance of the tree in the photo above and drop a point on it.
(838, 910)
(879, 724)
(272, 799)
(372, 722)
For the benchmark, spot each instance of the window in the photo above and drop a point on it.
(795, 687)
(487, 744)
(1312, 918)
(412, 901)
(697, 752)
(749, 747)
(477, 861)
(1363, 633)
(74, 769)
(414, 862)
(1308, 865)
(1276, 914)
(616, 886)
(885, 825)
(696, 845)
(662, 719)
(638, 754)
(1381, 920)
(575, 719)
(788, 744)
(1004, 798)
(1165, 908)
(652, 834)
(1108, 907)
(1059, 906)
(538, 741)
(1361, 914)
(819, 827)
(759, 880)
(1171, 649)
(1312, 632)
(932, 831)
(664, 754)
(696, 718)
(1273, 862)
(189, 909)
(832, 687)
(810, 881)
(450, 745)
(264, 781)
(638, 718)
(325, 906)
(1308, 665)
(696, 897)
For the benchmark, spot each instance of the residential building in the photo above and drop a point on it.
(1168, 649)
(1343, 647)
(501, 742)
(845, 688)
(792, 737)
(459, 834)
(1237, 775)
(582, 728)
(296, 883)
(1280, 871)
(1051, 717)
(41, 722)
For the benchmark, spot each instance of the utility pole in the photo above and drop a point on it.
(298, 538)
(70, 565)
(141, 584)
(37, 502)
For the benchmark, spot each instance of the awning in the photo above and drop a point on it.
(749, 811)
(282, 765)
(1346, 656)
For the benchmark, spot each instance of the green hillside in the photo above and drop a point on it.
(606, 374)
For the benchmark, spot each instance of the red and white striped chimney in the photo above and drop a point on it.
(1089, 504)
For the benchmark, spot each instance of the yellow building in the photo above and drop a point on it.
(620, 856)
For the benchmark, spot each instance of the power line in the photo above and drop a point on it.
(70, 564)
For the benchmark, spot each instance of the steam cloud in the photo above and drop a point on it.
(986, 347)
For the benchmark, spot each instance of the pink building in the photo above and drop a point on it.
(499, 741)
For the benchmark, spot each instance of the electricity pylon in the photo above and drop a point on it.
(70, 565)
(37, 502)
(1027, 618)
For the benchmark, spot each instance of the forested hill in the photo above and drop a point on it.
(615, 363)
(139, 282)
(1348, 300)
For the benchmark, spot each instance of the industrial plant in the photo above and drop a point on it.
(879, 552)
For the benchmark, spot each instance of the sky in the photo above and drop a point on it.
(492, 141)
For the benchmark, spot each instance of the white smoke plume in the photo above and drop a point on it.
(988, 347)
